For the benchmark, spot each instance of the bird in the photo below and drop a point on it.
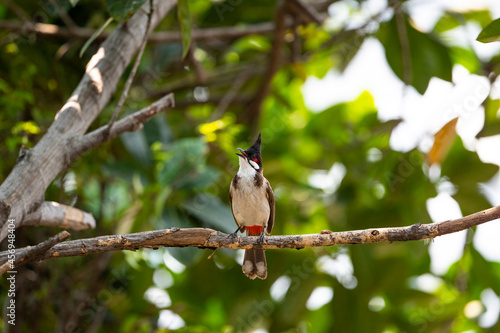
(252, 204)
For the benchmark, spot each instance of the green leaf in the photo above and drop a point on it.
(447, 22)
(185, 166)
(467, 58)
(136, 144)
(491, 33)
(94, 36)
(184, 17)
(427, 57)
(184, 156)
(482, 16)
(211, 210)
(121, 10)
(251, 43)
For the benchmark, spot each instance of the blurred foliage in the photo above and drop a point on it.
(491, 33)
(177, 171)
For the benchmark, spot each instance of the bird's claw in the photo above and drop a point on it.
(234, 235)
(261, 238)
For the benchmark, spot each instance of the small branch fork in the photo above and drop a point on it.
(209, 238)
(32, 253)
(130, 123)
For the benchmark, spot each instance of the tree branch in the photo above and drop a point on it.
(130, 123)
(131, 76)
(240, 100)
(32, 253)
(52, 30)
(223, 75)
(232, 93)
(199, 71)
(275, 59)
(209, 238)
(20, 193)
(305, 12)
(54, 214)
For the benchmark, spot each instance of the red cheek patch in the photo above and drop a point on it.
(255, 160)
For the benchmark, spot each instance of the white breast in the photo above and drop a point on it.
(250, 205)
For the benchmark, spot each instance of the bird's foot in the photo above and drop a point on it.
(234, 235)
(261, 238)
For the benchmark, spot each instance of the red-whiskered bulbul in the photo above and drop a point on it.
(252, 204)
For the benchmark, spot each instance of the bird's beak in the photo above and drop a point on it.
(243, 154)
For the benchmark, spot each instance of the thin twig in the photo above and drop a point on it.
(212, 254)
(232, 93)
(240, 100)
(131, 76)
(222, 75)
(305, 12)
(199, 71)
(209, 238)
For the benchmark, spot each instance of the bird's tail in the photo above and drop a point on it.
(254, 263)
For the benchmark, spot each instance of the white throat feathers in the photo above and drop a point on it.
(246, 170)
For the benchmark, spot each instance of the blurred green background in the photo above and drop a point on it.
(176, 173)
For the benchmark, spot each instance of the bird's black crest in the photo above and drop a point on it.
(255, 148)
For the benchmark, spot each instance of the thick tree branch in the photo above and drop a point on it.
(209, 238)
(20, 193)
(54, 214)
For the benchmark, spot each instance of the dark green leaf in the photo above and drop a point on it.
(211, 210)
(427, 57)
(491, 33)
(136, 144)
(185, 166)
(121, 10)
(184, 157)
(184, 16)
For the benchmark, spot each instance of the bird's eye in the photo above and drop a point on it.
(255, 160)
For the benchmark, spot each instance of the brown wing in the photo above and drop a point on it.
(270, 198)
(233, 185)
